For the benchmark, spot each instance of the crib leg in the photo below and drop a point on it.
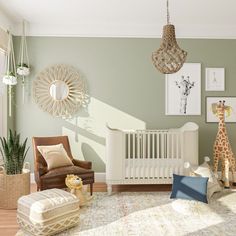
(109, 189)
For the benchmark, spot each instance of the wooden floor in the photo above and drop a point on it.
(8, 224)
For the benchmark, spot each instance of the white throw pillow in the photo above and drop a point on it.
(55, 156)
(204, 170)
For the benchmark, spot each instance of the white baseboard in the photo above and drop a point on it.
(99, 177)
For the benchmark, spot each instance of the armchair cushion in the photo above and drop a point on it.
(66, 170)
(55, 156)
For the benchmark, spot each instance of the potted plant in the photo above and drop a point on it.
(9, 78)
(23, 69)
(14, 174)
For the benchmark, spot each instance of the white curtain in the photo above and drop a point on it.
(3, 48)
(3, 96)
(3, 90)
(2, 68)
(3, 39)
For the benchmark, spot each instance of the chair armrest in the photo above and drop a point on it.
(38, 173)
(83, 164)
(42, 170)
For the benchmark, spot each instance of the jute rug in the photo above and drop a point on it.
(155, 214)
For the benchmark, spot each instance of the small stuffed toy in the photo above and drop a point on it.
(75, 184)
(204, 170)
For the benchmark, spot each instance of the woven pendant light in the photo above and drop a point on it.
(169, 58)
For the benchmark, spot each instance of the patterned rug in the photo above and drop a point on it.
(154, 213)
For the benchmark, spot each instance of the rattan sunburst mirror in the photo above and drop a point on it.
(59, 90)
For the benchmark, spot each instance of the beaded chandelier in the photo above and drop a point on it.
(169, 58)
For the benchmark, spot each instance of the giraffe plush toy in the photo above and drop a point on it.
(222, 147)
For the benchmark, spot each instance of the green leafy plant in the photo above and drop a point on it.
(10, 73)
(22, 65)
(13, 153)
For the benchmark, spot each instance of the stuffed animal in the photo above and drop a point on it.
(204, 170)
(75, 184)
(222, 148)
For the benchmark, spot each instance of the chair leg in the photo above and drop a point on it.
(91, 189)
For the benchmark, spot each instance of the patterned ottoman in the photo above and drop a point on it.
(47, 212)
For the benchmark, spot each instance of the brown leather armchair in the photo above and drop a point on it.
(55, 178)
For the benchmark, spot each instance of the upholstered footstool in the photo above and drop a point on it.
(47, 212)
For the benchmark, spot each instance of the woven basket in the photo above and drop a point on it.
(12, 187)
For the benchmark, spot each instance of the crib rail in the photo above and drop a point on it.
(152, 154)
(149, 156)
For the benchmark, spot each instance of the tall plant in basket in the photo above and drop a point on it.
(15, 174)
(13, 153)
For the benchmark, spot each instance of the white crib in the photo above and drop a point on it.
(149, 156)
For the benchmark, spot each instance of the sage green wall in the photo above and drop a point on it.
(120, 78)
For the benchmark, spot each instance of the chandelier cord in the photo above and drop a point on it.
(167, 12)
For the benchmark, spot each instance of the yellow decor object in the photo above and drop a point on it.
(169, 58)
(75, 184)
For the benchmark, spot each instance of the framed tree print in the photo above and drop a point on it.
(183, 91)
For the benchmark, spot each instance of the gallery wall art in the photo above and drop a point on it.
(215, 79)
(183, 91)
(230, 114)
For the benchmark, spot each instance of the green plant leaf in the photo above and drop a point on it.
(13, 152)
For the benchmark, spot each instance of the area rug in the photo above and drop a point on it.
(154, 213)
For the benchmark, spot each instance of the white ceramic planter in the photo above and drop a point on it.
(9, 80)
(23, 71)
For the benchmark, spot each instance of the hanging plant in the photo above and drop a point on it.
(23, 69)
(9, 78)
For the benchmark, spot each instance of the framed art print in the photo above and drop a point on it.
(230, 115)
(183, 91)
(215, 79)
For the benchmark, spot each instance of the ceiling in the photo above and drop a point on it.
(121, 18)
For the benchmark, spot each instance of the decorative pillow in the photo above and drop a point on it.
(204, 170)
(190, 188)
(55, 156)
